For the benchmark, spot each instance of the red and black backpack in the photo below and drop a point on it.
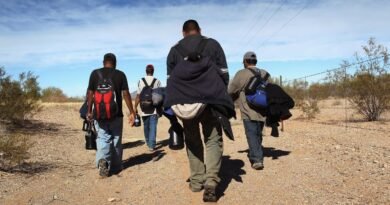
(106, 107)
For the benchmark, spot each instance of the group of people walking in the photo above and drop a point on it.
(198, 92)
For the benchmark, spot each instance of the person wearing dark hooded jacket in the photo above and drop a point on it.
(207, 87)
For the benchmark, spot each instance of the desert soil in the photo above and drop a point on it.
(312, 162)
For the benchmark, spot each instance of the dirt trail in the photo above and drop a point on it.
(310, 163)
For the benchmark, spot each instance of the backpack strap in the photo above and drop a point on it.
(154, 81)
(256, 73)
(146, 83)
(182, 51)
(202, 45)
(100, 74)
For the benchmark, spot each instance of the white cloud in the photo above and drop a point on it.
(329, 29)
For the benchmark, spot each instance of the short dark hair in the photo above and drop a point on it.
(110, 57)
(149, 69)
(251, 61)
(191, 25)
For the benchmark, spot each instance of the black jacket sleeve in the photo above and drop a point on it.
(220, 60)
(171, 60)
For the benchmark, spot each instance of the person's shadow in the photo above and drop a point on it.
(270, 152)
(143, 158)
(230, 169)
(133, 144)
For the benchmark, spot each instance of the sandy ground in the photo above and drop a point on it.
(312, 162)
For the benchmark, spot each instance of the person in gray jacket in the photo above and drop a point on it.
(253, 121)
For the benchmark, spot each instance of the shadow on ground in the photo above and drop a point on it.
(29, 168)
(143, 158)
(32, 127)
(270, 152)
(129, 145)
(231, 169)
(162, 143)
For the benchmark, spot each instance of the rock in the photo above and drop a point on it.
(337, 147)
(112, 199)
(376, 161)
(55, 197)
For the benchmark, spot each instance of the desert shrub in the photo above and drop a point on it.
(297, 90)
(369, 94)
(75, 99)
(369, 89)
(309, 108)
(319, 90)
(19, 98)
(53, 94)
(13, 150)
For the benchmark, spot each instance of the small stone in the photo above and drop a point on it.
(55, 197)
(376, 161)
(112, 199)
(337, 147)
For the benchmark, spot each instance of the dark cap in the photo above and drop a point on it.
(110, 57)
(250, 55)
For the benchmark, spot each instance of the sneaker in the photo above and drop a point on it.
(209, 194)
(258, 165)
(103, 168)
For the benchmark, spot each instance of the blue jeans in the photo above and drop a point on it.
(150, 130)
(254, 136)
(109, 142)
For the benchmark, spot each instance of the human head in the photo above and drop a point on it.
(250, 59)
(109, 60)
(191, 27)
(150, 70)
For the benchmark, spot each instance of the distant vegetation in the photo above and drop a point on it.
(54, 94)
(367, 89)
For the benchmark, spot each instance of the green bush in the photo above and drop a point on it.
(53, 94)
(369, 88)
(19, 98)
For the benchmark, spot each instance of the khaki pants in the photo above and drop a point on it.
(201, 172)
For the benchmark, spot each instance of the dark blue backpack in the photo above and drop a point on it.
(255, 90)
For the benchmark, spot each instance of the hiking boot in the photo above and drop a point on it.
(103, 168)
(209, 194)
(258, 165)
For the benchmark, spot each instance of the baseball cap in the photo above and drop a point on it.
(250, 55)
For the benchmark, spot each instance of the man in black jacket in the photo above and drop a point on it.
(204, 172)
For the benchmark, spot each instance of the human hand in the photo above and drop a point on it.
(89, 116)
(132, 119)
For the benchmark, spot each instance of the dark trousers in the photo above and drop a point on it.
(254, 136)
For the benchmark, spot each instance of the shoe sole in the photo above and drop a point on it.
(209, 194)
(258, 168)
(103, 168)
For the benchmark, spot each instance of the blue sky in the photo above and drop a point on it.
(62, 41)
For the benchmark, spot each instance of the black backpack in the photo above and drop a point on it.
(105, 105)
(146, 97)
